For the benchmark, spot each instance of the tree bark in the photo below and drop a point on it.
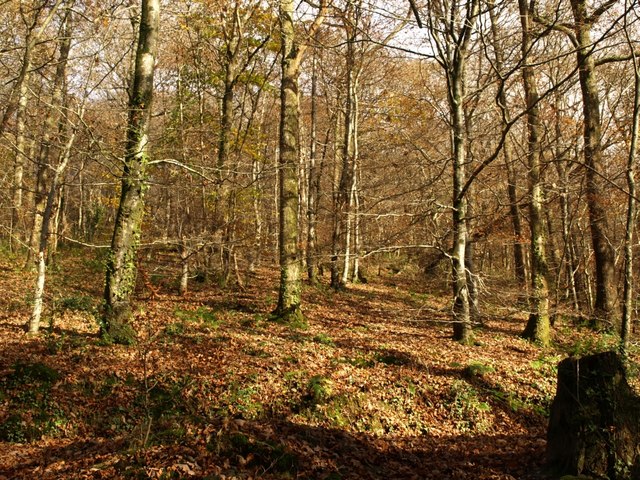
(54, 196)
(604, 308)
(455, 64)
(290, 293)
(314, 179)
(627, 305)
(121, 265)
(537, 328)
(512, 189)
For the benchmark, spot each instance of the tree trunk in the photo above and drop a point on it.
(461, 306)
(184, 263)
(336, 233)
(537, 328)
(54, 124)
(50, 210)
(223, 197)
(512, 190)
(604, 308)
(18, 169)
(53, 199)
(121, 264)
(289, 297)
(314, 180)
(593, 422)
(462, 330)
(568, 269)
(631, 212)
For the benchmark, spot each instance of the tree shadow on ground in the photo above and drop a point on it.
(282, 449)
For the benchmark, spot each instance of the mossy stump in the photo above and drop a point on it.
(594, 427)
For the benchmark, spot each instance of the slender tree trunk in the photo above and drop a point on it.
(51, 208)
(512, 190)
(257, 217)
(567, 236)
(568, 269)
(351, 244)
(184, 262)
(519, 260)
(223, 199)
(54, 196)
(538, 326)
(452, 29)
(314, 179)
(356, 274)
(461, 307)
(290, 293)
(121, 264)
(631, 211)
(336, 234)
(344, 188)
(18, 169)
(604, 308)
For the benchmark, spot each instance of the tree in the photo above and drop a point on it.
(289, 296)
(451, 26)
(121, 264)
(627, 301)
(19, 97)
(349, 151)
(512, 190)
(49, 202)
(235, 61)
(537, 328)
(579, 33)
(593, 152)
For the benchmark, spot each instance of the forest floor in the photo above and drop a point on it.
(373, 388)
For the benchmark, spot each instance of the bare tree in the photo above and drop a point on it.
(121, 265)
(451, 26)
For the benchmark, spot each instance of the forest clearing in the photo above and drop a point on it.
(373, 387)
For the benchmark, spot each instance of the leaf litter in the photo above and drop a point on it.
(373, 389)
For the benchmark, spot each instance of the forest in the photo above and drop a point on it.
(323, 239)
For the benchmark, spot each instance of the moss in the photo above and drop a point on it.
(119, 332)
(291, 316)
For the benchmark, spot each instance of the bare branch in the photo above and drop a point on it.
(416, 13)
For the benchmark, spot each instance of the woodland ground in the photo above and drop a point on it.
(373, 389)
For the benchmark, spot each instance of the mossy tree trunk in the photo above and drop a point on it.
(289, 297)
(537, 328)
(603, 253)
(121, 264)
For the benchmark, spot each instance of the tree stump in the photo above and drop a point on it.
(594, 426)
